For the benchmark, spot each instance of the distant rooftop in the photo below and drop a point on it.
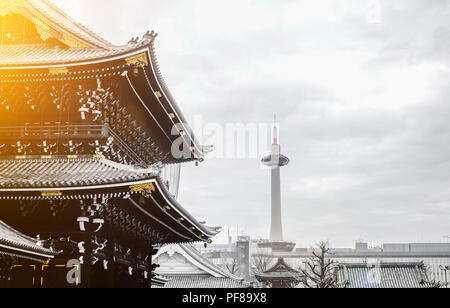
(396, 247)
(385, 275)
(391, 250)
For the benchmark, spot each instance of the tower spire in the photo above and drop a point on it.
(275, 130)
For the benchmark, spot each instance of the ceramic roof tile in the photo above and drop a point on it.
(49, 173)
(15, 240)
(383, 276)
(202, 282)
(57, 16)
(44, 54)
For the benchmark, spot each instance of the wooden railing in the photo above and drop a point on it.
(65, 131)
(54, 132)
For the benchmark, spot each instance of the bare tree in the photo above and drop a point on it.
(261, 262)
(230, 263)
(320, 270)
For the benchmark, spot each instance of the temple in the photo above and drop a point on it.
(19, 254)
(91, 144)
(280, 276)
(184, 267)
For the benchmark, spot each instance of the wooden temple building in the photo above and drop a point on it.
(184, 267)
(91, 142)
(280, 276)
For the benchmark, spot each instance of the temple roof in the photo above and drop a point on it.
(384, 275)
(69, 51)
(58, 173)
(280, 270)
(16, 244)
(57, 37)
(86, 178)
(63, 54)
(201, 282)
(185, 267)
(67, 25)
(51, 22)
(45, 54)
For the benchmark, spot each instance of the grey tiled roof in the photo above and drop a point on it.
(202, 282)
(392, 275)
(49, 173)
(54, 15)
(45, 54)
(15, 241)
(212, 276)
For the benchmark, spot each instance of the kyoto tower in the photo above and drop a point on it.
(275, 161)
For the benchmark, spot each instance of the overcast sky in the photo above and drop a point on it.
(362, 92)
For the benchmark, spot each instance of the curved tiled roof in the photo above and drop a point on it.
(209, 275)
(83, 44)
(383, 276)
(45, 54)
(281, 269)
(64, 178)
(19, 243)
(202, 282)
(214, 269)
(51, 173)
(54, 15)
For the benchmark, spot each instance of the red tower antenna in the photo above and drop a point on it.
(275, 131)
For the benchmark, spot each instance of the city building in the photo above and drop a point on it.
(91, 144)
(435, 257)
(243, 257)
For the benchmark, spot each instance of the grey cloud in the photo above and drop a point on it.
(362, 172)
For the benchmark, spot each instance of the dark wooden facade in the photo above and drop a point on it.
(86, 129)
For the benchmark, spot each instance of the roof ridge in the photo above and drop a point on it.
(196, 253)
(76, 22)
(31, 54)
(384, 265)
(33, 244)
(194, 256)
(77, 32)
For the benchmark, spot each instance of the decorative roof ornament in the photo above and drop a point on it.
(10, 6)
(149, 37)
(133, 42)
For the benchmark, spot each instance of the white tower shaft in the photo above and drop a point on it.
(276, 229)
